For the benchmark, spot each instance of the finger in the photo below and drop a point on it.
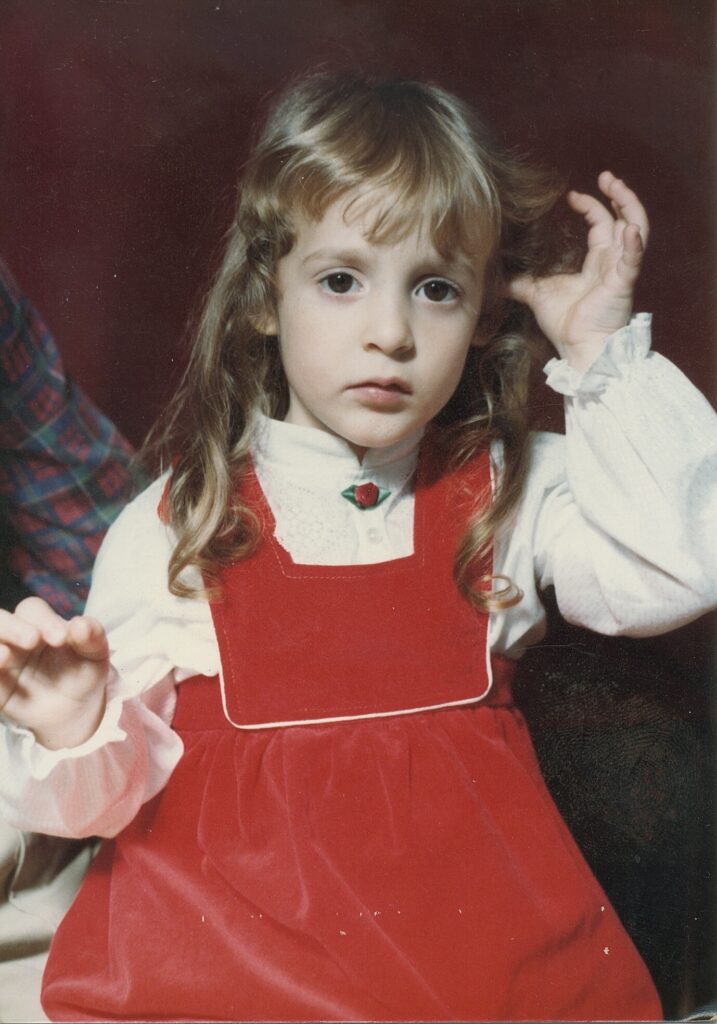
(87, 638)
(521, 288)
(51, 626)
(596, 214)
(17, 633)
(618, 232)
(11, 664)
(632, 252)
(10, 682)
(8, 658)
(624, 202)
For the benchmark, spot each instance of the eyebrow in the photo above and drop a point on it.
(342, 256)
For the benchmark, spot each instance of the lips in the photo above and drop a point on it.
(391, 385)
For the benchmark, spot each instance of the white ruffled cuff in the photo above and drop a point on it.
(627, 347)
(39, 761)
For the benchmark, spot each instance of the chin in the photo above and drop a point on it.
(378, 436)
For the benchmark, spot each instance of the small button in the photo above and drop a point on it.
(374, 535)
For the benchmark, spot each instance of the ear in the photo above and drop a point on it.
(266, 323)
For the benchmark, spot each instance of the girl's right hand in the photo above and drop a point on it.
(53, 673)
(578, 312)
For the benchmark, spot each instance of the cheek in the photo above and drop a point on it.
(316, 345)
(295, 340)
(448, 366)
(450, 382)
(307, 371)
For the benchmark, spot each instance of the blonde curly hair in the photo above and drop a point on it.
(328, 136)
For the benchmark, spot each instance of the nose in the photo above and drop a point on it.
(388, 325)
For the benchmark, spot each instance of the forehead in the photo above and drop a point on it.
(380, 218)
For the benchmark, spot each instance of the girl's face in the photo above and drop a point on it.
(373, 336)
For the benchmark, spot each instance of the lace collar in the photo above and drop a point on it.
(325, 463)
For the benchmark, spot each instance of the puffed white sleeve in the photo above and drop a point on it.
(627, 530)
(156, 640)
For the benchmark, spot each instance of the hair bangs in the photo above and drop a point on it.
(456, 214)
(399, 152)
(453, 222)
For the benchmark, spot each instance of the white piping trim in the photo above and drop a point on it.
(357, 718)
(377, 714)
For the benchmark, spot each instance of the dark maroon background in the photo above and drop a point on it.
(123, 123)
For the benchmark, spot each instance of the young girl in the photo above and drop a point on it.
(291, 705)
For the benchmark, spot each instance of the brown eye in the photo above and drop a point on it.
(339, 283)
(439, 290)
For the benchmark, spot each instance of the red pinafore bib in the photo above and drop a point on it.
(358, 829)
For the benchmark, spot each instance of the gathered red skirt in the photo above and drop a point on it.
(403, 868)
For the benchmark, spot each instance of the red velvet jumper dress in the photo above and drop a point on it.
(358, 829)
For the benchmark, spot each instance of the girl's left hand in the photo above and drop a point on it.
(578, 312)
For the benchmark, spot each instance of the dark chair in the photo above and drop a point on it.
(624, 737)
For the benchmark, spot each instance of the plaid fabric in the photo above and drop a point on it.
(64, 469)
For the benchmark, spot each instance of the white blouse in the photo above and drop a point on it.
(620, 516)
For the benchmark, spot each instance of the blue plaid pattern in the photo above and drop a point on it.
(64, 469)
